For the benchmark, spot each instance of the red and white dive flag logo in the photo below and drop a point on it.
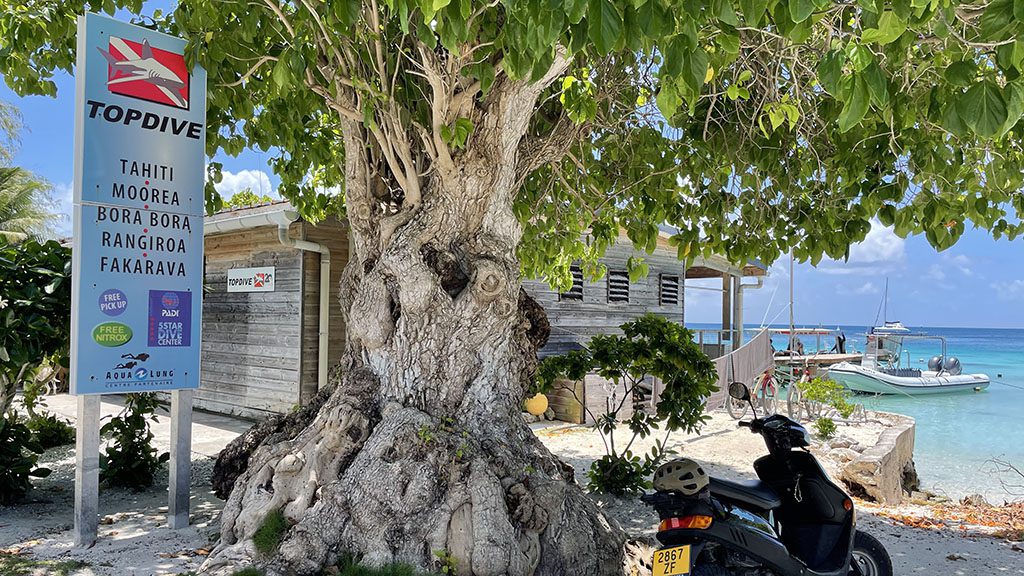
(141, 71)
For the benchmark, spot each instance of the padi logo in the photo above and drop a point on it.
(147, 73)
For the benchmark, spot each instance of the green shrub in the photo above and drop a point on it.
(829, 393)
(247, 572)
(131, 460)
(825, 428)
(35, 312)
(19, 453)
(649, 346)
(51, 431)
(268, 536)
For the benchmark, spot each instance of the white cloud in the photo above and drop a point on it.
(880, 251)
(1008, 291)
(257, 180)
(935, 273)
(960, 262)
(867, 288)
(864, 289)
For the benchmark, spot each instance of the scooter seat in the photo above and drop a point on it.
(752, 492)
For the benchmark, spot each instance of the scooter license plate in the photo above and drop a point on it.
(672, 561)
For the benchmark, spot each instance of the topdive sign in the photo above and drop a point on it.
(138, 211)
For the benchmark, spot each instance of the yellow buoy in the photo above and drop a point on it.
(537, 405)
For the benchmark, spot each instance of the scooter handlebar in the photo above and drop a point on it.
(754, 425)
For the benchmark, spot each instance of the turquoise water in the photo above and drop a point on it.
(958, 435)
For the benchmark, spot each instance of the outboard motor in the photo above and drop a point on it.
(952, 366)
(935, 363)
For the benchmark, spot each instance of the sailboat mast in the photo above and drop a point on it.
(792, 326)
(885, 313)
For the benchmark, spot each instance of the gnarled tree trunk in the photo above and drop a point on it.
(422, 446)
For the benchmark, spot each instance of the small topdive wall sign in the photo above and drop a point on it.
(251, 279)
(138, 211)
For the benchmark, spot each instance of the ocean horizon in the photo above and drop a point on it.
(959, 436)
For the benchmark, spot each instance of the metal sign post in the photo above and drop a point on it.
(138, 240)
(87, 470)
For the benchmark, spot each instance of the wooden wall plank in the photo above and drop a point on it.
(251, 340)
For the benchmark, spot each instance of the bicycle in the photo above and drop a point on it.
(794, 396)
(766, 391)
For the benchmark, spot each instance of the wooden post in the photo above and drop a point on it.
(181, 460)
(87, 470)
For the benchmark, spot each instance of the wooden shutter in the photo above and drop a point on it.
(576, 292)
(669, 294)
(618, 286)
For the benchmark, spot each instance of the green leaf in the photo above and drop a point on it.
(890, 28)
(887, 214)
(694, 69)
(878, 86)
(997, 22)
(860, 57)
(830, 70)
(983, 109)
(668, 100)
(856, 105)
(726, 13)
(605, 25)
(1018, 10)
(753, 10)
(281, 73)
(961, 73)
(575, 9)
(1014, 105)
(439, 4)
(801, 10)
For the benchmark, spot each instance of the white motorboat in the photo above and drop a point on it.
(880, 370)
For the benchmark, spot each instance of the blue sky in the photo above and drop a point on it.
(978, 283)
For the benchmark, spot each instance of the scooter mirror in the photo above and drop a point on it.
(739, 391)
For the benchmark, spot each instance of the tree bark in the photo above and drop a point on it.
(421, 450)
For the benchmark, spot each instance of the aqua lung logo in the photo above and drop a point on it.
(130, 370)
(151, 74)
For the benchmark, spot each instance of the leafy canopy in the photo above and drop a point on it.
(752, 126)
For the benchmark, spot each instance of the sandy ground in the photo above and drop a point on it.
(134, 539)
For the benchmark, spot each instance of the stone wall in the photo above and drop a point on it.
(880, 472)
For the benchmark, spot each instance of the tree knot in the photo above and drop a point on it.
(524, 508)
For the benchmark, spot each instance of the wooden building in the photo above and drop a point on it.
(261, 347)
(591, 308)
(261, 350)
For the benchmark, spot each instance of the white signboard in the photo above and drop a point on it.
(251, 279)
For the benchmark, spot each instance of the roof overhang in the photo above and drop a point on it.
(277, 214)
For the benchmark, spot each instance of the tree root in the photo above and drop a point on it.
(400, 485)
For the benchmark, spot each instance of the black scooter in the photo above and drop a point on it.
(794, 521)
